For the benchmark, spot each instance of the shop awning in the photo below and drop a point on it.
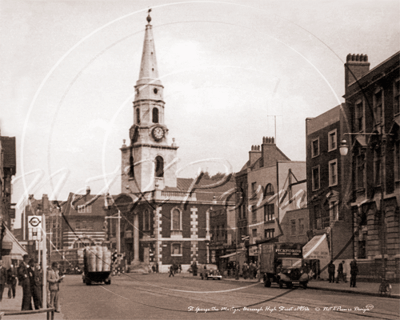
(317, 249)
(17, 251)
(232, 256)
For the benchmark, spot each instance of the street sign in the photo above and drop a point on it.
(34, 221)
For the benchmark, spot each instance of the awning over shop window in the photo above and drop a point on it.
(232, 256)
(317, 249)
(17, 251)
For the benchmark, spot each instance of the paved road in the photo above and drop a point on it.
(156, 296)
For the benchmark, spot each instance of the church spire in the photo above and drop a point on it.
(148, 67)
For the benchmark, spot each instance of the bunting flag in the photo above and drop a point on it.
(278, 229)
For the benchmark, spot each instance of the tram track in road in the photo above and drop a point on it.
(260, 300)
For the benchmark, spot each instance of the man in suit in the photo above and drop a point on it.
(3, 279)
(331, 271)
(12, 275)
(36, 283)
(53, 278)
(24, 281)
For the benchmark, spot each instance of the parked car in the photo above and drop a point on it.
(209, 271)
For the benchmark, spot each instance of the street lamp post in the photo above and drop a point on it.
(343, 149)
(118, 235)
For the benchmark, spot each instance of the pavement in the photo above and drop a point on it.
(14, 305)
(365, 288)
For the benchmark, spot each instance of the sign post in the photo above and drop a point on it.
(44, 262)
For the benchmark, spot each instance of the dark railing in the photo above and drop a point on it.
(50, 313)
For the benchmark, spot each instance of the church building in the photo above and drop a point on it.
(169, 216)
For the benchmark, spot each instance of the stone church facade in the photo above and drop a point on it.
(169, 216)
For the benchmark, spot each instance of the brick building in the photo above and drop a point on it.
(270, 184)
(8, 167)
(373, 109)
(325, 189)
(7, 170)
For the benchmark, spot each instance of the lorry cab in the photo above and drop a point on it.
(291, 271)
(283, 264)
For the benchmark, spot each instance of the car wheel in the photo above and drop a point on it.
(280, 284)
(267, 283)
(88, 282)
(289, 285)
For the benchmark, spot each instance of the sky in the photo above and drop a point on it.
(233, 72)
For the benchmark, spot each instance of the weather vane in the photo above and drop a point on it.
(148, 16)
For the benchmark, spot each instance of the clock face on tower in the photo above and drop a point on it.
(158, 133)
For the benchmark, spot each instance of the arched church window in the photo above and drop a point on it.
(159, 167)
(146, 220)
(137, 115)
(131, 167)
(176, 219)
(155, 115)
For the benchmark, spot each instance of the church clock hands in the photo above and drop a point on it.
(158, 133)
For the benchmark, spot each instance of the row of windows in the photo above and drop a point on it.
(297, 229)
(360, 170)
(332, 171)
(155, 117)
(219, 233)
(323, 218)
(332, 144)
(378, 107)
(268, 190)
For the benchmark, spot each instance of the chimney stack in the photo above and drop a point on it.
(268, 149)
(254, 154)
(356, 66)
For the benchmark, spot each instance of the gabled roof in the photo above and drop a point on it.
(97, 203)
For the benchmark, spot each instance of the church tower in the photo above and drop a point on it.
(146, 161)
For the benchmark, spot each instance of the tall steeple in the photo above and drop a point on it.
(149, 101)
(148, 67)
(143, 160)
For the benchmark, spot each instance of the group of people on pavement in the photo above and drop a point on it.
(341, 274)
(249, 270)
(175, 268)
(30, 277)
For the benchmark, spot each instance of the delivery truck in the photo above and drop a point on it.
(97, 265)
(283, 263)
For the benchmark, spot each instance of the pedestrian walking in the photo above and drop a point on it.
(3, 279)
(53, 278)
(339, 272)
(36, 284)
(251, 270)
(353, 273)
(171, 271)
(24, 282)
(12, 275)
(245, 269)
(345, 271)
(194, 268)
(331, 271)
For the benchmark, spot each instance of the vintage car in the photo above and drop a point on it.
(209, 271)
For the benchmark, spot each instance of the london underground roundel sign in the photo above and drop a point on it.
(34, 221)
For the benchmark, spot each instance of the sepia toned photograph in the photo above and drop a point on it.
(233, 159)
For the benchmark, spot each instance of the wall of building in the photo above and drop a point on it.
(300, 218)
